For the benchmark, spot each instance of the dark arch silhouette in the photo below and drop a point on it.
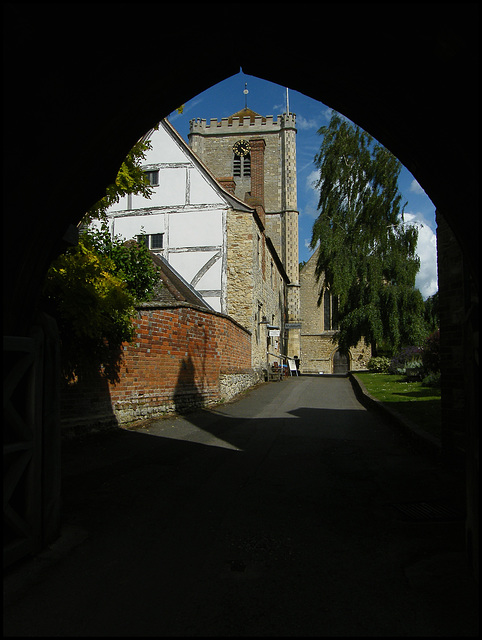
(83, 82)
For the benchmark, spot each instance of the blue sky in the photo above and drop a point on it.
(267, 98)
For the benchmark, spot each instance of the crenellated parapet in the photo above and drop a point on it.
(252, 123)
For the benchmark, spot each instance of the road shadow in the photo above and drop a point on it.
(224, 523)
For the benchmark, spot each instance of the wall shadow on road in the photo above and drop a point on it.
(191, 521)
(97, 466)
(187, 393)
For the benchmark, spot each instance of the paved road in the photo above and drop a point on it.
(269, 516)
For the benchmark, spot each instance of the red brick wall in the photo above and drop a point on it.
(174, 362)
(257, 169)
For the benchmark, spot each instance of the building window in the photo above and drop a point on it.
(334, 313)
(242, 166)
(143, 239)
(326, 311)
(152, 177)
(258, 320)
(157, 240)
(154, 241)
(330, 312)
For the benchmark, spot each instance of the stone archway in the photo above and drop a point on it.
(73, 111)
(80, 90)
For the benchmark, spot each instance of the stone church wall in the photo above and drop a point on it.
(181, 358)
(317, 346)
(268, 295)
(318, 352)
(255, 286)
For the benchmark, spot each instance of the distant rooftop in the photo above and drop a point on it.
(245, 113)
(172, 288)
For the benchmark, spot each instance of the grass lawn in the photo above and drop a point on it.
(414, 400)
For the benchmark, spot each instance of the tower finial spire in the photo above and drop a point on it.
(245, 95)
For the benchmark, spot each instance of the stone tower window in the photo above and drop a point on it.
(247, 165)
(330, 312)
(242, 166)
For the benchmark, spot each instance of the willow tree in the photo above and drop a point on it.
(366, 253)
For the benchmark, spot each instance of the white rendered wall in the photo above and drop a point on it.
(187, 208)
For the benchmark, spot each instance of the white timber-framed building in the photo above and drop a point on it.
(216, 242)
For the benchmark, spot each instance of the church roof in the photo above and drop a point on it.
(245, 113)
(173, 288)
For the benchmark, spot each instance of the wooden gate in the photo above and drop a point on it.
(31, 442)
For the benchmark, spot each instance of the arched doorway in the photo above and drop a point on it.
(341, 362)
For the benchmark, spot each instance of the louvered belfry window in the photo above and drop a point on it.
(242, 166)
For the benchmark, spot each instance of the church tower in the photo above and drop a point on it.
(256, 155)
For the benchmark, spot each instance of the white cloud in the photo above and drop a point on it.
(426, 280)
(304, 123)
(416, 188)
(312, 179)
(310, 206)
(311, 210)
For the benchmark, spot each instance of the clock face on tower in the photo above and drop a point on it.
(241, 148)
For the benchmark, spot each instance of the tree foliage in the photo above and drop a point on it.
(93, 308)
(431, 353)
(131, 261)
(366, 254)
(93, 287)
(92, 290)
(130, 179)
(432, 312)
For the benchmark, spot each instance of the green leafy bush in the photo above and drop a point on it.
(378, 364)
(131, 261)
(92, 290)
(432, 380)
(398, 363)
(414, 370)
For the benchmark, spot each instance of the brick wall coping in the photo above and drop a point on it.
(144, 306)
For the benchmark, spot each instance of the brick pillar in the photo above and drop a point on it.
(256, 199)
(257, 169)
